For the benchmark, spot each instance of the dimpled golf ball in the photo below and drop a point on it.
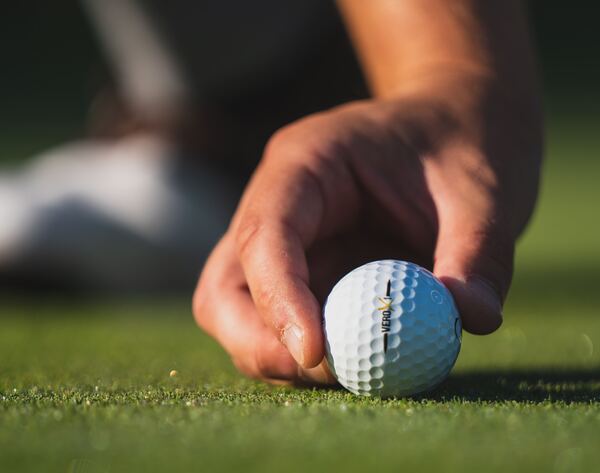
(391, 330)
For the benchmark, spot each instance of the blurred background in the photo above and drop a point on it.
(81, 378)
(129, 128)
(56, 87)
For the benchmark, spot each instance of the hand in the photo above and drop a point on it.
(432, 178)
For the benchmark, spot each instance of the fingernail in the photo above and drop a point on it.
(292, 339)
(317, 375)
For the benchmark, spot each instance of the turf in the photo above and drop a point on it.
(85, 386)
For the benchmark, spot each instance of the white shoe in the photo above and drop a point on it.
(117, 216)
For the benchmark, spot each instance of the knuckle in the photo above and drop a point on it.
(292, 134)
(247, 231)
(280, 139)
(298, 138)
(265, 298)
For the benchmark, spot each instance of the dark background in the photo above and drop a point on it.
(51, 68)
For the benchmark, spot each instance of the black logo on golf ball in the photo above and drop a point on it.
(458, 329)
(386, 314)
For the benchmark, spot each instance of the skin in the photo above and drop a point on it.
(440, 167)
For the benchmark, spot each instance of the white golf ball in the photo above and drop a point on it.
(391, 329)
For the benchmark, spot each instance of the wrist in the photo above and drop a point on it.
(468, 100)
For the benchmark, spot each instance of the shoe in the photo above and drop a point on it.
(117, 216)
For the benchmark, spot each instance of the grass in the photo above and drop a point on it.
(85, 385)
(89, 387)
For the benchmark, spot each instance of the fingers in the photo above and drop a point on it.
(223, 307)
(476, 264)
(282, 215)
(276, 271)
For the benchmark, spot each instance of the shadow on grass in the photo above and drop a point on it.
(577, 385)
(528, 386)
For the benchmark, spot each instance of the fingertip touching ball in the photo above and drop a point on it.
(391, 330)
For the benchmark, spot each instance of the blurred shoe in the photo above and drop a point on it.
(126, 215)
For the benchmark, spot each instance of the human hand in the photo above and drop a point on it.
(439, 179)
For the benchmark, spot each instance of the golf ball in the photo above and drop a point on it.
(391, 330)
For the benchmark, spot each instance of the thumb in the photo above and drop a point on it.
(476, 265)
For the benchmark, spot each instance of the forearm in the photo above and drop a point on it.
(410, 45)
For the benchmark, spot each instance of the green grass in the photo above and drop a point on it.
(89, 387)
(85, 386)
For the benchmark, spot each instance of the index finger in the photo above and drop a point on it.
(279, 218)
